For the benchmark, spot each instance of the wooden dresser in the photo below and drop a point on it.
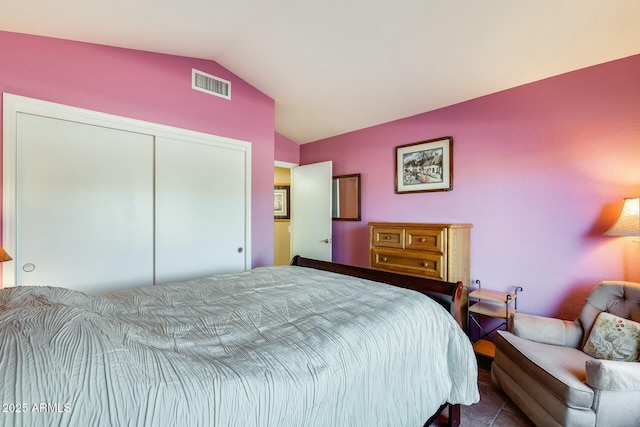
(438, 251)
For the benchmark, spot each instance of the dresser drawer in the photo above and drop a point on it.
(424, 264)
(387, 237)
(426, 239)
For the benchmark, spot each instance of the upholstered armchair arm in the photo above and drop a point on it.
(612, 375)
(546, 330)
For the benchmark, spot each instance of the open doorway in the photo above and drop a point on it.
(281, 227)
(307, 232)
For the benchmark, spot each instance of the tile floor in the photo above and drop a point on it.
(495, 409)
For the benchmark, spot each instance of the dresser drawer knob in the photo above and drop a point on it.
(387, 237)
(384, 259)
(425, 264)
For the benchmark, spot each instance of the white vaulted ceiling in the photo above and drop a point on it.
(334, 66)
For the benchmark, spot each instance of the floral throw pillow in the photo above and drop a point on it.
(613, 338)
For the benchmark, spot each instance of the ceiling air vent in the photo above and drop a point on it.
(210, 84)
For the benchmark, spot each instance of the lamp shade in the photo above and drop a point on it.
(628, 224)
(4, 256)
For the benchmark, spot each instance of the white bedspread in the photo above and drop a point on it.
(277, 346)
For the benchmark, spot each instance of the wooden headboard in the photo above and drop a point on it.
(446, 293)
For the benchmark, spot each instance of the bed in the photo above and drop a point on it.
(311, 344)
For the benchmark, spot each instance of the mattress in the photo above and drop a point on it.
(274, 346)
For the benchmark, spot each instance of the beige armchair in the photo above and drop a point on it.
(540, 363)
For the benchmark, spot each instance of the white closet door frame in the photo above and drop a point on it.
(15, 104)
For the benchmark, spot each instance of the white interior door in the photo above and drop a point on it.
(84, 199)
(311, 211)
(200, 210)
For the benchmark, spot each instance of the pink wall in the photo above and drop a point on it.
(539, 170)
(151, 87)
(286, 150)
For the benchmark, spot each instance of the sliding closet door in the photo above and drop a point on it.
(84, 204)
(201, 209)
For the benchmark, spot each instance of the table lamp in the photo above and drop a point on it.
(4, 256)
(628, 223)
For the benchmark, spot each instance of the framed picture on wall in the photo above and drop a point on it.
(281, 202)
(425, 166)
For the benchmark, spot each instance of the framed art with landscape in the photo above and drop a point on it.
(425, 166)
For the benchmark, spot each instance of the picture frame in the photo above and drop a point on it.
(281, 202)
(425, 166)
